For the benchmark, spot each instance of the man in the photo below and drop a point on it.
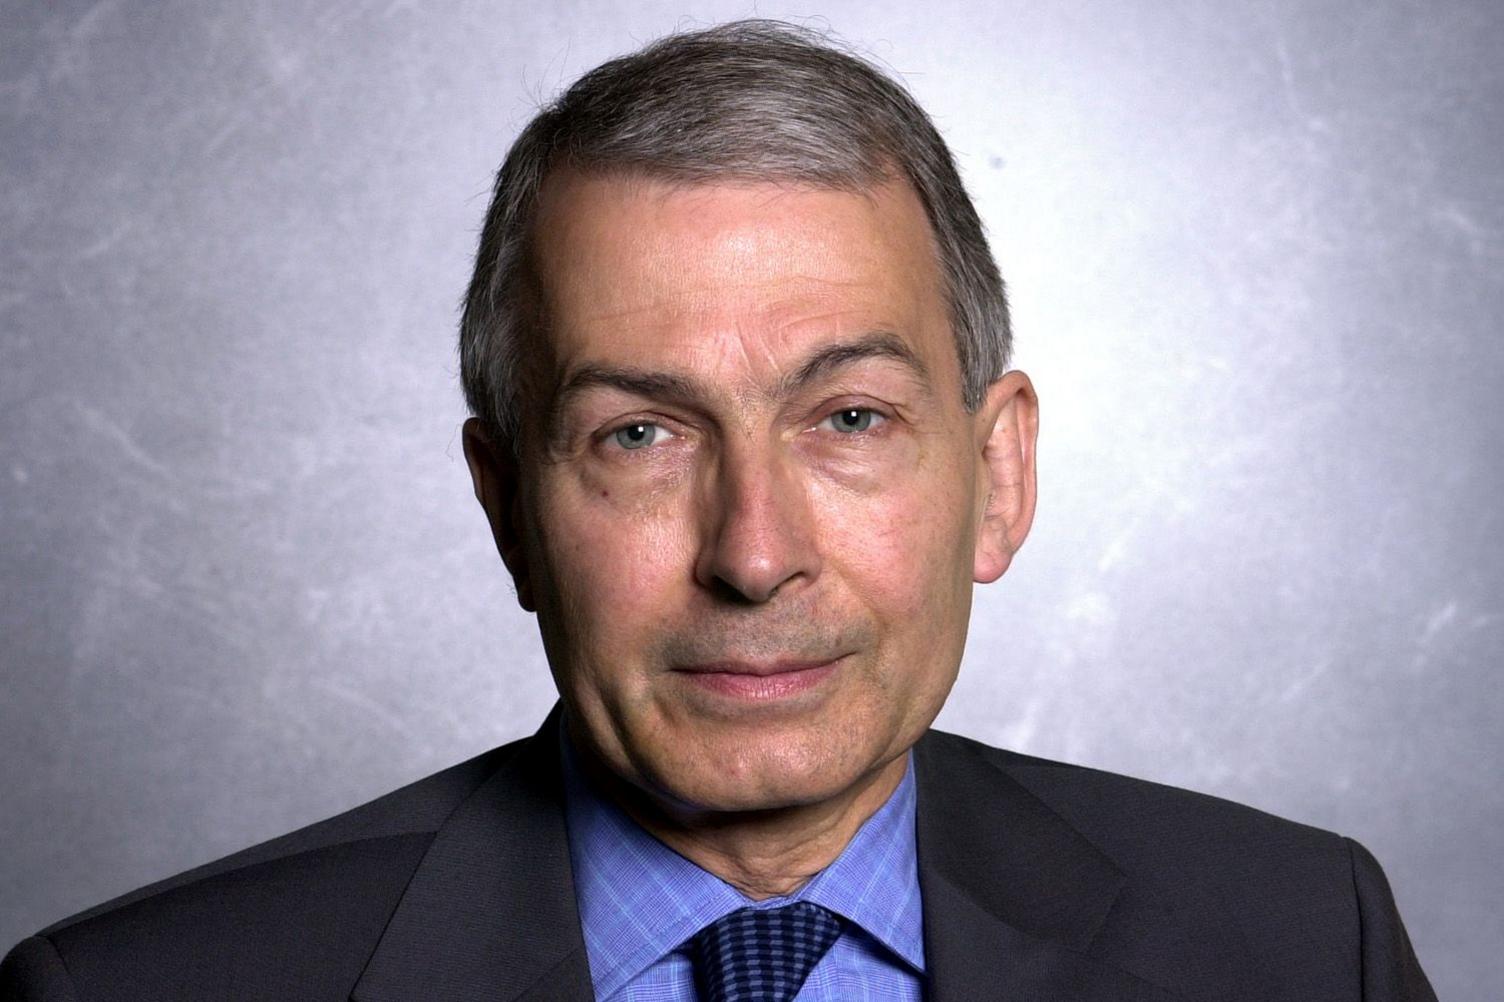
(746, 437)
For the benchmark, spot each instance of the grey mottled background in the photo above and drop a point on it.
(1255, 251)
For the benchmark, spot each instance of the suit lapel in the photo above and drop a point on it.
(1013, 895)
(490, 912)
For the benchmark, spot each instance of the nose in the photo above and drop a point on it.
(758, 534)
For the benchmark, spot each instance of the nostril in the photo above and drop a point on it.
(731, 594)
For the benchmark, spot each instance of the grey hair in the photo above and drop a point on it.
(751, 99)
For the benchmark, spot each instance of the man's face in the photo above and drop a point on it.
(751, 504)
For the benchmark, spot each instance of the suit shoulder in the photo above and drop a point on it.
(409, 815)
(1141, 821)
(1211, 884)
(294, 917)
(292, 926)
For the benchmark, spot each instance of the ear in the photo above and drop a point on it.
(1007, 430)
(495, 474)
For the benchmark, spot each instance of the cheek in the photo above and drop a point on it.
(614, 565)
(900, 533)
(907, 564)
(905, 552)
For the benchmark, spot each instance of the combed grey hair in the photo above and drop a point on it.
(751, 99)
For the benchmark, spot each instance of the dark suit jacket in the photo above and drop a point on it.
(1040, 881)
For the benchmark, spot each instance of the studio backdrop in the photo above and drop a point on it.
(1256, 258)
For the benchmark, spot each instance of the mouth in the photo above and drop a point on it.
(759, 681)
(760, 669)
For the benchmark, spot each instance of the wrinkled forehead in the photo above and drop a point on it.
(635, 268)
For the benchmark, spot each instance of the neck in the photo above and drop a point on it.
(763, 854)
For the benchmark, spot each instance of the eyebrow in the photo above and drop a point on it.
(673, 386)
(877, 344)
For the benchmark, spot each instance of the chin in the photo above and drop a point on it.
(721, 798)
(774, 777)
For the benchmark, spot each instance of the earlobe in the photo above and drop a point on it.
(495, 476)
(1008, 430)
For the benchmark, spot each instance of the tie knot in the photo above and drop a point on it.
(761, 954)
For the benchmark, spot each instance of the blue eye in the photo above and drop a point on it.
(637, 436)
(852, 419)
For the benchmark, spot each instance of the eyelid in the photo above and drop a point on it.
(879, 415)
(668, 431)
(607, 436)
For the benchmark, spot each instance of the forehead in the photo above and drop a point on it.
(633, 268)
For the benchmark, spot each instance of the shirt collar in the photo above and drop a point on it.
(639, 900)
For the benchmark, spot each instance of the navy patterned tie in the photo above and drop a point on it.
(761, 954)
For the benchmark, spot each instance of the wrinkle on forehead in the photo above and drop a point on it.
(732, 283)
(651, 238)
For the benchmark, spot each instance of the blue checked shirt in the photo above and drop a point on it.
(640, 902)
